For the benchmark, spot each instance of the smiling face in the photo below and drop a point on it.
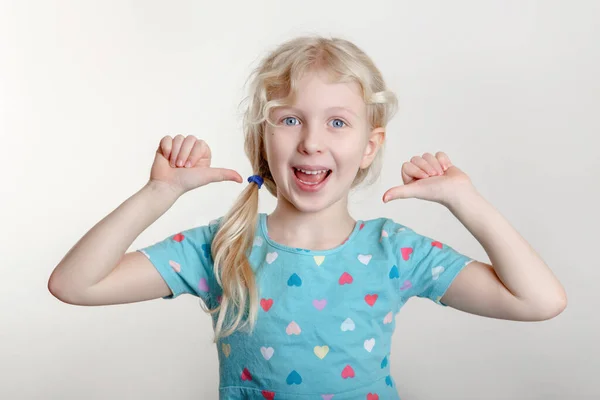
(320, 143)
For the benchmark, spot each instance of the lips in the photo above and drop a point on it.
(311, 178)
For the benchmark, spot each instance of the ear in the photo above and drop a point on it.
(376, 138)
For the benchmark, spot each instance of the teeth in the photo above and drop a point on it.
(312, 172)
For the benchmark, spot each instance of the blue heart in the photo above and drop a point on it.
(394, 272)
(302, 250)
(384, 362)
(294, 378)
(294, 280)
(206, 250)
(388, 381)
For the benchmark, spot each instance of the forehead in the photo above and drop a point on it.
(319, 90)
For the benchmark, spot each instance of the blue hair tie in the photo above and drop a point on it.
(256, 179)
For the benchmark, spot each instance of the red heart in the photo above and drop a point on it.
(406, 252)
(371, 299)
(268, 395)
(246, 375)
(372, 396)
(437, 244)
(348, 372)
(361, 226)
(345, 278)
(179, 237)
(266, 304)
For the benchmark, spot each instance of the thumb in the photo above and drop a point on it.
(408, 191)
(223, 174)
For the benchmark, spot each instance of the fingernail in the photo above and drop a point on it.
(188, 164)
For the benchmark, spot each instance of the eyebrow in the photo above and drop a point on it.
(327, 109)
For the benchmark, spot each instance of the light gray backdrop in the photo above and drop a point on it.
(509, 90)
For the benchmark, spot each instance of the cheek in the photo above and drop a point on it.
(350, 154)
(275, 153)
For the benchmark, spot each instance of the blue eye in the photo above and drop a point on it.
(338, 123)
(287, 119)
(339, 126)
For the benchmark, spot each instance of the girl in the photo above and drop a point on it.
(303, 299)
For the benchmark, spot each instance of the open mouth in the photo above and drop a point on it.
(311, 178)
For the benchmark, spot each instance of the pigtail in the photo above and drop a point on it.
(231, 247)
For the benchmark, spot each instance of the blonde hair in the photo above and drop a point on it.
(279, 73)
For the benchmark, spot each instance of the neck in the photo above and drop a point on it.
(320, 230)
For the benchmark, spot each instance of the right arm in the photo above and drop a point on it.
(96, 271)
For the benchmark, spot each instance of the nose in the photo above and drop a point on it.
(311, 140)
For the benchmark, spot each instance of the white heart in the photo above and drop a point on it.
(435, 272)
(258, 241)
(400, 230)
(348, 325)
(388, 318)
(213, 222)
(267, 352)
(271, 257)
(364, 258)
(369, 343)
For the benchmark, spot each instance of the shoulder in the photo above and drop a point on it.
(201, 234)
(396, 237)
(387, 227)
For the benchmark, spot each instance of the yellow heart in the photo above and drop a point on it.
(321, 351)
(319, 259)
(226, 349)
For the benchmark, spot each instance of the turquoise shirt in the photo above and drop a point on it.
(326, 318)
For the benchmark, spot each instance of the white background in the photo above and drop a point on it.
(510, 90)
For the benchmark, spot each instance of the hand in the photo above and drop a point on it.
(183, 164)
(432, 178)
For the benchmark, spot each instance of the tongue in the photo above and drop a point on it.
(311, 178)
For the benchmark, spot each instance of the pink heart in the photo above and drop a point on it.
(437, 244)
(406, 285)
(388, 318)
(175, 266)
(371, 299)
(327, 396)
(179, 237)
(319, 304)
(293, 328)
(246, 375)
(348, 372)
(203, 285)
(406, 252)
(268, 395)
(346, 278)
(266, 304)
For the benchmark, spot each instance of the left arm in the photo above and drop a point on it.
(518, 285)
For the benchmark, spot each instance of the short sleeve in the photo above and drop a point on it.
(426, 266)
(184, 261)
